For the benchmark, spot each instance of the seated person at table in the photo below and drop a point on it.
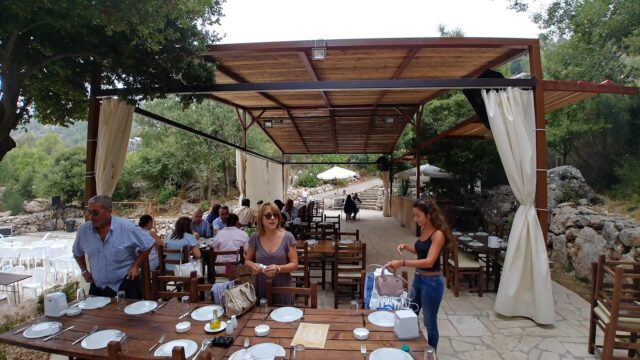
(146, 222)
(289, 212)
(221, 221)
(246, 215)
(178, 238)
(213, 214)
(350, 208)
(116, 249)
(274, 247)
(199, 226)
(229, 238)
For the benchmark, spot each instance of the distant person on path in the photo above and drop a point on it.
(356, 199)
(221, 221)
(304, 195)
(178, 238)
(199, 226)
(428, 283)
(146, 222)
(230, 238)
(350, 208)
(246, 215)
(116, 249)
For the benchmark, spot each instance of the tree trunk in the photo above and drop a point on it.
(226, 177)
(9, 107)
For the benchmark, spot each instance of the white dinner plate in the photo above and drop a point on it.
(100, 339)
(286, 314)
(475, 243)
(42, 329)
(189, 346)
(140, 307)
(95, 302)
(465, 238)
(382, 318)
(205, 313)
(311, 242)
(266, 351)
(346, 241)
(207, 328)
(482, 234)
(389, 354)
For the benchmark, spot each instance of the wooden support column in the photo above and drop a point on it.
(416, 128)
(92, 136)
(542, 209)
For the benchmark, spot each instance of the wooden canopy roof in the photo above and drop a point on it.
(361, 96)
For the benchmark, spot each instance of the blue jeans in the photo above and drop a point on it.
(427, 293)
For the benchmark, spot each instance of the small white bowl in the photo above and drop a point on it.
(361, 333)
(74, 311)
(182, 327)
(262, 330)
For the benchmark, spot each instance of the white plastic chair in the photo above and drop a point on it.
(38, 254)
(36, 281)
(8, 255)
(62, 268)
(7, 268)
(19, 269)
(50, 268)
(26, 254)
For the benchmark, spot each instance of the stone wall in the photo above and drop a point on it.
(39, 216)
(578, 234)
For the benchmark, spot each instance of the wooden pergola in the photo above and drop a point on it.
(361, 96)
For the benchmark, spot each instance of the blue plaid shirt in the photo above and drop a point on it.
(204, 228)
(111, 259)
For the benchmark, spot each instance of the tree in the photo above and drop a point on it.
(49, 51)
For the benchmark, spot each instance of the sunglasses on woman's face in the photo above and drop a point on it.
(270, 216)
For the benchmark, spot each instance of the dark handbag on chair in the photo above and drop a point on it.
(389, 284)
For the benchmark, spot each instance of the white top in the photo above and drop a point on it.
(230, 239)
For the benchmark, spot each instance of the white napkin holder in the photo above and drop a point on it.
(405, 325)
(494, 241)
(55, 304)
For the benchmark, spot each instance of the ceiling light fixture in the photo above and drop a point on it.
(268, 124)
(319, 52)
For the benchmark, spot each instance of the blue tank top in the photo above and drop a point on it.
(422, 248)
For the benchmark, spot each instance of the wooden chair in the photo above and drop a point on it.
(335, 221)
(355, 236)
(214, 260)
(310, 294)
(114, 350)
(162, 257)
(301, 274)
(349, 261)
(187, 286)
(461, 264)
(615, 308)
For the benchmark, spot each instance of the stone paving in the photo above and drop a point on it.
(469, 327)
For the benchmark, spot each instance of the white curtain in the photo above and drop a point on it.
(285, 182)
(241, 174)
(386, 206)
(525, 285)
(113, 138)
(263, 180)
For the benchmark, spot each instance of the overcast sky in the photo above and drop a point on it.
(280, 20)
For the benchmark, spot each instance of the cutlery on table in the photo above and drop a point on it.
(158, 307)
(160, 341)
(21, 329)
(363, 351)
(93, 329)
(58, 333)
(204, 345)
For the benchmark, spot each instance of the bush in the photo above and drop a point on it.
(13, 201)
(307, 179)
(629, 186)
(166, 194)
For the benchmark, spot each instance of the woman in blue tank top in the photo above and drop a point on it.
(428, 283)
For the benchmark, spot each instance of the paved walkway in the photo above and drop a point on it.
(469, 327)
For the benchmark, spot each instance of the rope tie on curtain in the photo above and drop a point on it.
(545, 210)
(545, 170)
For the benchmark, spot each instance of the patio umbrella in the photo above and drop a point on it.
(336, 173)
(429, 170)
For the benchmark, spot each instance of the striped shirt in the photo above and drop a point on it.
(111, 259)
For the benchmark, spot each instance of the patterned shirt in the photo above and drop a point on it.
(204, 228)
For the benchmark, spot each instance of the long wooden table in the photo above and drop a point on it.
(144, 330)
(10, 280)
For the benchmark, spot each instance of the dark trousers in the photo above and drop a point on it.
(131, 288)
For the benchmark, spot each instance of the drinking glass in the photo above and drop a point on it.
(429, 353)
(355, 306)
(298, 352)
(186, 305)
(80, 295)
(120, 296)
(263, 305)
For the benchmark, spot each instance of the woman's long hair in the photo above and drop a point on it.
(182, 226)
(435, 215)
(264, 208)
(215, 209)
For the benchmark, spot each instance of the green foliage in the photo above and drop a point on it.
(166, 193)
(49, 50)
(12, 201)
(629, 174)
(307, 179)
(69, 289)
(567, 195)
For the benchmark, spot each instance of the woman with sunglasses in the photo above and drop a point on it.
(275, 248)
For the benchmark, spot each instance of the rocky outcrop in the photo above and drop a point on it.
(579, 234)
(498, 205)
(36, 206)
(566, 183)
(46, 220)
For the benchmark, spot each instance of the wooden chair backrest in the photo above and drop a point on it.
(343, 235)
(303, 260)
(189, 286)
(351, 254)
(162, 257)
(214, 261)
(310, 293)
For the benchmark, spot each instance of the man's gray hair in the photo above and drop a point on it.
(103, 200)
